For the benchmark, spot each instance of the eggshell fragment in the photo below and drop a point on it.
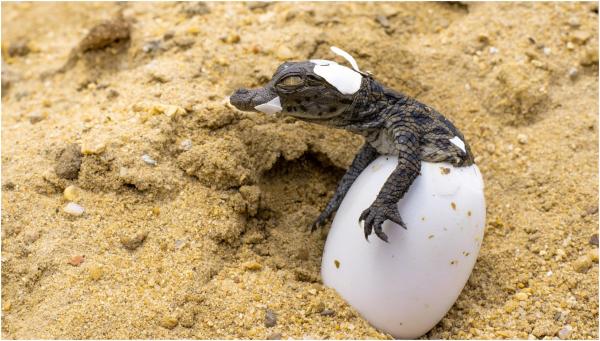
(346, 80)
(271, 107)
(406, 286)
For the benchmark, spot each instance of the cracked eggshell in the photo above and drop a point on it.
(406, 286)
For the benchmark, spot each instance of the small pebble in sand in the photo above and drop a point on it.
(565, 332)
(187, 319)
(589, 57)
(574, 22)
(284, 53)
(133, 242)
(594, 239)
(522, 138)
(327, 312)
(76, 260)
(71, 193)
(493, 50)
(192, 9)
(36, 117)
(557, 315)
(151, 46)
(580, 37)
(179, 244)
(112, 94)
(185, 145)
(232, 38)
(69, 162)
(521, 296)
(573, 73)
(274, 336)
(583, 263)
(382, 20)
(19, 48)
(73, 209)
(169, 322)
(270, 318)
(184, 42)
(168, 35)
(149, 160)
(252, 266)
(9, 186)
(93, 148)
(156, 73)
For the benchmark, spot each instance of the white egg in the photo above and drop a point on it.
(406, 286)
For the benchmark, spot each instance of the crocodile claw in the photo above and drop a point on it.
(374, 217)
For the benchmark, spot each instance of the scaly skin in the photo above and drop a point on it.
(392, 124)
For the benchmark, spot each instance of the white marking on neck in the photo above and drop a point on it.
(346, 80)
(459, 143)
(346, 56)
(271, 107)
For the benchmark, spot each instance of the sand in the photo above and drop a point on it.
(196, 216)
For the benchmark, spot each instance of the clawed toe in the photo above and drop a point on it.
(374, 217)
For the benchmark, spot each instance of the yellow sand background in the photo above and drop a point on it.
(204, 242)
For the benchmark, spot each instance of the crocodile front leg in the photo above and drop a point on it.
(364, 157)
(385, 206)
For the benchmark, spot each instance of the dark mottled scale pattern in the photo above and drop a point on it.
(395, 124)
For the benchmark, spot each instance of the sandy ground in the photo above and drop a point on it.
(196, 214)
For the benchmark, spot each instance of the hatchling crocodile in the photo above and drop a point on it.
(327, 93)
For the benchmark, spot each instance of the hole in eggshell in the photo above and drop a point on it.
(469, 213)
(453, 205)
(337, 263)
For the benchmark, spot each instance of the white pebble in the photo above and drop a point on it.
(522, 138)
(573, 73)
(186, 145)
(179, 244)
(574, 22)
(73, 209)
(493, 50)
(565, 333)
(149, 160)
(547, 51)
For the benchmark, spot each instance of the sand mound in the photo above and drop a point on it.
(196, 216)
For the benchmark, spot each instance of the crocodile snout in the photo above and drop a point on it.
(261, 99)
(242, 99)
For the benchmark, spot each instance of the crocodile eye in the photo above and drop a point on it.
(291, 81)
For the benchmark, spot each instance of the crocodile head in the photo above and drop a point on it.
(318, 91)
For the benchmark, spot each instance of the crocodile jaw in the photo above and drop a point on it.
(260, 99)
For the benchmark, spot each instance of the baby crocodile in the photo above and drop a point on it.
(324, 92)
